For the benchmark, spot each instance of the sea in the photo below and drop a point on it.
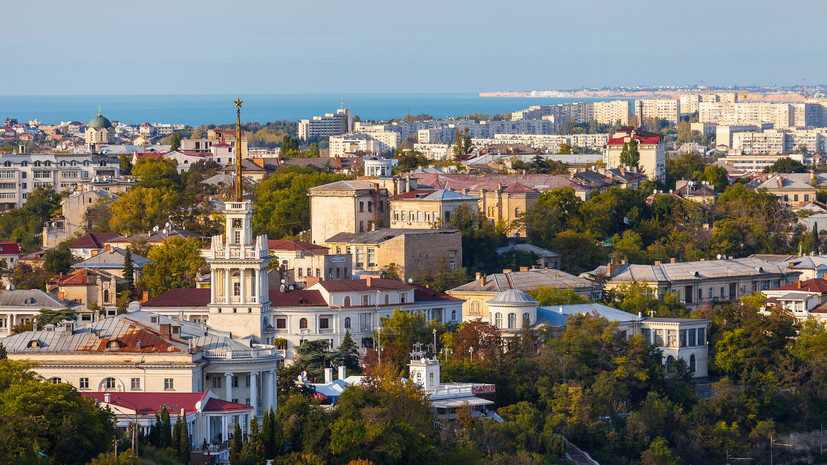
(196, 110)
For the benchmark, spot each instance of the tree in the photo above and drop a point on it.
(166, 428)
(580, 252)
(175, 443)
(629, 155)
(463, 145)
(97, 218)
(59, 260)
(289, 147)
(314, 151)
(252, 452)
(174, 264)
(659, 453)
(175, 141)
(24, 277)
(125, 164)
(157, 173)
(236, 445)
(786, 165)
(441, 277)
(349, 354)
(184, 445)
(548, 296)
(480, 237)
(128, 274)
(141, 208)
(52, 317)
(409, 159)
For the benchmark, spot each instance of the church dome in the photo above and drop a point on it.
(512, 297)
(99, 122)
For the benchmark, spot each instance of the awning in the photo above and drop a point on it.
(459, 401)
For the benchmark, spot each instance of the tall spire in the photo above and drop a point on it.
(238, 192)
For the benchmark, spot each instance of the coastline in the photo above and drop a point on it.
(609, 94)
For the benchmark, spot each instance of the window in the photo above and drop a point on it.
(404, 215)
(303, 323)
(371, 257)
(347, 301)
(361, 207)
(216, 382)
(395, 217)
(300, 272)
(281, 323)
(692, 362)
(453, 315)
(691, 337)
(109, 383)
(447, 216)
(135, 383)
(324, 323)
(235, 381)
(365, 322)
(237, 237)
(512, 321)
(55, 380)
(370, 206)
(387, 299)
(526, 318)
(84, 383)
(365, 300)
(498, 320)
(402, 296)
(427, 217)
(347, 323)
(236, 289)
(683, 337)
(360, 257)
(168, 384)
(701, 336)
(419, 216)
(361, 226)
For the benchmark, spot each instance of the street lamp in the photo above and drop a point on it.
(471, 350)
(447, 351)
(435, 350)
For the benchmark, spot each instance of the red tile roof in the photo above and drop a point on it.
(150, 403)
(301, 297)
(517, 188)
(9, 248)
(93, 240)
(423, 294)
(150, 343)
(218, 405)
(283, 244)
(78, 278)
(811, 285)
(643, 138)
(347, 285)
(415, 194)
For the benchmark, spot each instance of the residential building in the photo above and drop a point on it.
(86, 287)
(379, 142)
(423, 208)
(756, 163)
(111, 259)
(724, 133)
(793, 189)
(331, 124)
(72, 220)
(546, 259)
(379, 167)
(352, 206)
(9, 255)
(668, 109)
(412, 251)
(91, 244)
(225, 138)
(479, 292)
(803, 299)
(21, 174)
(607, 112)
(286, 252)
(23, 305)
(810, 266)
(650, 147)
(324, 310)
(695, 191)
(706, 129)
(699, 283)
(677, 338)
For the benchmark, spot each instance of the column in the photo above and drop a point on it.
(271, 389)
(254, 392)
(224, 430)
(212, 286)
(207, 436)
(257, 288)
(242, 276)
(228, 389)
(228, 284)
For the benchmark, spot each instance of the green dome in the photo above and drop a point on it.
(99, 122)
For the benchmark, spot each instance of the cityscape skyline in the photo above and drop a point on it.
(192, 48)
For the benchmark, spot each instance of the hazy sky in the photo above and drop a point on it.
(325, 46)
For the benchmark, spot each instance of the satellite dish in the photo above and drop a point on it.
(410, 280)
(281, 288)
(292, 287)
(282, 280)
(719, 256)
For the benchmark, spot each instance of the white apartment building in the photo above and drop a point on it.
(331, 124)
(668, 109)
(21, 174)
(378, 142)
(777, 141)
(757, 162)
(607, 112)
(485, 129)
(780, 115)
(724, 132)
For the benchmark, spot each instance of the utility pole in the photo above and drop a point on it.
(435, 352)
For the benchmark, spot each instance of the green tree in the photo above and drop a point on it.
(409, 159)
(348, 355)
(717, 176)
(786, 165)
(630, 155)
(548, 296)
(174, 264)
(659, 453)
(125, 164)
(314, 151)
(52, 317)
(184, 445)
(289, 147)
(252, 452)
(128, 274)
(141, 208)
(59, 259)
(463, 144)
(175, 443)
(441, 277)
(639, 298)
(166, 428)
(175, 141)
(236, 446)
(580, 252)
(97, 218)
(157, 173)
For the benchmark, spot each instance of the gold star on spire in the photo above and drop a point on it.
(238, 102)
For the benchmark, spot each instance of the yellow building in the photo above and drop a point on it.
(353, 206)
(650, 147)
(421, 209)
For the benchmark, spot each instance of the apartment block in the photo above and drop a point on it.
(668, 109)
(331, 124)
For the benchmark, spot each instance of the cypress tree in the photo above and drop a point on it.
(815, 238)
(166, 429)
(267, 435)
(128, 274)
(236, 446)
(253, 449)
(278, 434)
(3, 354)
(184, 446)
(176, 435)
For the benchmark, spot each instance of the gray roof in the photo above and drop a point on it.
(558, 314)
(791, 181)
(526, 281)
(112, 258)
(32, 298)
(349, 185)
(807, 262)
(528, 248)
(383, 235)
(512, 296)
(693, 271)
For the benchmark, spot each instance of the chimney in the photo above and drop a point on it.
(799, 284)
(657, 262)
(328, 375)
(107, 398)
(672, 260)
(482, 280)
(478, 276)
(610, 269)
(60, 295)
(507, 270)
(146, 296)
(369, 281)
(523, 268)
(105, 247)
(342, 372)
(94, 252)
(68, 326)
(165, 331)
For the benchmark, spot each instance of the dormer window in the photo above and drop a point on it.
(113, 345)
(33, 344)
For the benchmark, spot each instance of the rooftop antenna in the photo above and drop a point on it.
(806, 93)
(238, 193)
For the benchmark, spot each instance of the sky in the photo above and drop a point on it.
(59, 47)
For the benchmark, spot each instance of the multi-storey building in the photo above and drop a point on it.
(21, 174)
(347, 206)
(609, 112)
(378, 142)
(331, 124)
(650, 147)
(700, 283)
(794, 189)
(421, 209)
(668, 109)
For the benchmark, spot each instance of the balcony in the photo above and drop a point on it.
(221, 354)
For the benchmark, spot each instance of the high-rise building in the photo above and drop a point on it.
(668, 109)
(331, 124)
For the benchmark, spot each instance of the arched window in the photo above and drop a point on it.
(453, 315)
(113, 345)
(498, 320)
(692, 363)
(347, 301)
(475, 308)
(55, 380)
(512, 320)
(106, 295)
(387, 299)
(108, 384)
(526, 318)
(669, 361)
(347, 323)
(303, 323)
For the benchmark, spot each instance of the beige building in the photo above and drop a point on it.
(668, 109)
(479, 292)
(99, 132)
(650, 147)
(793, 189)
(352, 206)
(422, 209)
(72, 221)
(86, 287)
(700, 283)
(23, 305)
(412, 250)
